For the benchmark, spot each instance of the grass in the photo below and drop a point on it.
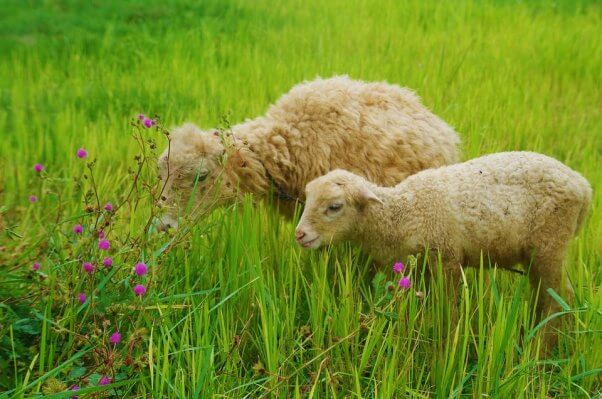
(237, 309)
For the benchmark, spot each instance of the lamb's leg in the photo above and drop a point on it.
(452, 277)
(547, 272)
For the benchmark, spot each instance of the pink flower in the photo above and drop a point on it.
(147, 122)
(104, 244)
(139, 290)
(78, 229)
(81, 153)
(74, 388)
(38, 167)
(140, 269)
(88, 267)
(405, 283)
(104, 380)
(398, 267)
(141, 117)
(36, 266)
(101, 234)
(107, 262)
(109, 207)
(33, 198)
(115, 338)
(81, 297)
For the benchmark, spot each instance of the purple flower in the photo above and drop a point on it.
(33, 198)
(104, 380)
(139, 290)
(36, 266)
(398, 267)
(104, 244)
(78, 229)
(38, 167)
(405, 283)
(115, 338)
(107, 262)
(109, 207)
(141, 117)
(74, 388)
(140, 269)
(88, 267)
(81, 153)
(147, 122)
(81, 297)
(101, 234)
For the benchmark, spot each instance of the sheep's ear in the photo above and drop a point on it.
(365, 196)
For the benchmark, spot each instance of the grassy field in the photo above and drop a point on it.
(234, 308)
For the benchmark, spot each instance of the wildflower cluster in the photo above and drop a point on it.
(147, 122)
(404, 282)
(92, 260)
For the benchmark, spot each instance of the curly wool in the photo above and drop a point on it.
(515, 207)
(378, 130)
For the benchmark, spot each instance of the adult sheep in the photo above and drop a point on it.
(515, 207)
(377, 130)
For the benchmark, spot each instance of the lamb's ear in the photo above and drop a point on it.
(365, 195)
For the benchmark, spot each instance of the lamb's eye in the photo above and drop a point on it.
(335, 207)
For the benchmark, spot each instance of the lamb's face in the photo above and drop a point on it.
(334, 202)
(192, 174)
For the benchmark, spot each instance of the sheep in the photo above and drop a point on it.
(378, 130)
(515, 207)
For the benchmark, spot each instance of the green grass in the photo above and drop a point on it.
(238, 310)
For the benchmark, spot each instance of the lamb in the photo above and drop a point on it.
(515, 207)
(378, 130)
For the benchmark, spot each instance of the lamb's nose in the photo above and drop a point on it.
(163, 226)
(299, 234)
(166, 222)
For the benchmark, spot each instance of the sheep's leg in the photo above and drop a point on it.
(547, 272)
(287, 208)
(452, 276)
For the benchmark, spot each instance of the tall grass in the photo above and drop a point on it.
(238, 310)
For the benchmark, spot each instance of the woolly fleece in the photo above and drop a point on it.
(515, 207)
(377, 130)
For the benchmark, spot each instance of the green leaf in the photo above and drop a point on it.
(27, 326)
(77, 372)
(391, 316)
(558, 299)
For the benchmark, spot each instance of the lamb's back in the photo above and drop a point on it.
(497, 201)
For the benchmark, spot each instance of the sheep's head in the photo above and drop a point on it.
(334, 204)
(191, 171)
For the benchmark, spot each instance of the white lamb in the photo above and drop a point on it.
(515, 207)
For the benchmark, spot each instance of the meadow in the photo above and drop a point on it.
(233, 307)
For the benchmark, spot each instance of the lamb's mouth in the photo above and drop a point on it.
(311, 243)
(166, 222)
